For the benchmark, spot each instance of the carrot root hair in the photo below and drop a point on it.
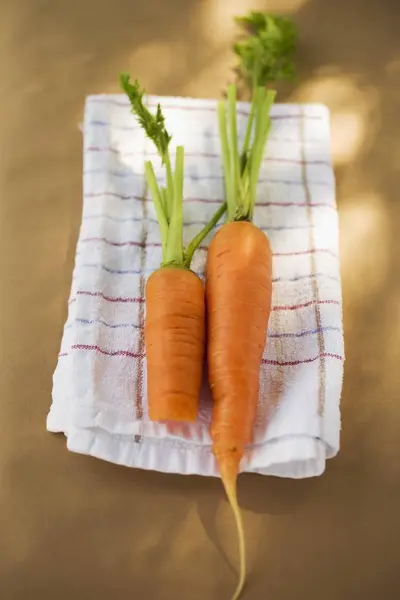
(229, 469)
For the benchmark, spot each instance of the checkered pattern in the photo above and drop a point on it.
(99, 394)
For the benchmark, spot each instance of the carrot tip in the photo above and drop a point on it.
(229, 468)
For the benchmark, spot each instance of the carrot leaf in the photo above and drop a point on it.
(153, 125)
(266, 54)
(154, 128)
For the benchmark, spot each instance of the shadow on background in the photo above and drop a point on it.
(75, 526)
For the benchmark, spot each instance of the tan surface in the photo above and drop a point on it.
(74, 527)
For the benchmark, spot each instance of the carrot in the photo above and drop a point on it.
(238, 291)
(174, 338)
(238, 296)
(175, 309)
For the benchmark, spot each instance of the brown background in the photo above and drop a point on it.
(75, 527)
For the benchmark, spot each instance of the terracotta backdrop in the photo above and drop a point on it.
(75, 527)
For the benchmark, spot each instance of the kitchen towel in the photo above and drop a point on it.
(99, 387)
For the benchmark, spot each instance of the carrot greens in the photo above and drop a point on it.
(168, 200)
(266, 55)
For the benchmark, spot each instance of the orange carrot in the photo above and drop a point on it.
(174, 328)
(238, 292)
(238, 296)
(174, 338)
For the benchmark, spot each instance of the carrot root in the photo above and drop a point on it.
(228, 466)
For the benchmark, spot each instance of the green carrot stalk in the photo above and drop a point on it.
(195, 243)
(159, 200)
(226, 160)
(175, 231)
(234, 154)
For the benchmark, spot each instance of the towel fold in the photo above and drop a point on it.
(99, 391)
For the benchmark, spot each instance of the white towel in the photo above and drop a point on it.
(99, 394)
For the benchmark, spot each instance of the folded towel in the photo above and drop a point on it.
(99, 393)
